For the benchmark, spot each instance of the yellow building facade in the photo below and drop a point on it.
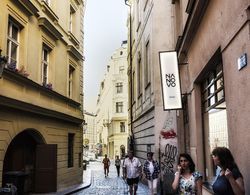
(41, 76)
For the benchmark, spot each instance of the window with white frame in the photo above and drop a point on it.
(119, 107)
(133, 87)
(122, 127)
(119, 87)
(45, 64)
(71, 19)
(13, 43)
(71, 76)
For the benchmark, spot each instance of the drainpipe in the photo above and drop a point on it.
(130, 73)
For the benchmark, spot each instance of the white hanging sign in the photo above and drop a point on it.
(170, 80)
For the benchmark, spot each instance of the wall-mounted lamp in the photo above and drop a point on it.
(3, 61)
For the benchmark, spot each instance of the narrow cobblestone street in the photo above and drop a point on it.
(111, 185)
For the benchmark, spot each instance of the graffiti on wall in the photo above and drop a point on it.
(168, 157)
(168, 152)
(167, 131)
(168, 146)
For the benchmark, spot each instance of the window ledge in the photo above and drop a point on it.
(72, 50)
(73, 39)
(29, 7)
(48, 26)
(208, 187)
(49, 12)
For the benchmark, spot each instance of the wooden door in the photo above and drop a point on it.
(46, 168)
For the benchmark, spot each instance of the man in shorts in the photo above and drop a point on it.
(132, 171)
(106, 163)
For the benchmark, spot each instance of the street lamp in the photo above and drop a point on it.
(3, 61)
(130, 71)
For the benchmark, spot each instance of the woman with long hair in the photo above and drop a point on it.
(187, 181)
(229, 180)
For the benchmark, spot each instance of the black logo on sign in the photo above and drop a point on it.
(170, 80)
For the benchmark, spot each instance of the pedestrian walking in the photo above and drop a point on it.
(106, 164)
(187, 181)
(151, 169)
(118, 165)
(228, 179)
(132, 170)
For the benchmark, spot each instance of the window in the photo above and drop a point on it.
(119, 107)
(133, 87)
(45, 64)
(119, 87)
(71, 19)
(147, 66)
(121, 70)
(122, 127)
(80, 159)
(12, 43)
(214, 115)
(70, 149)
(71, 76)
(139, 76)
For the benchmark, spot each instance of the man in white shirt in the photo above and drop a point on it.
(132, 171)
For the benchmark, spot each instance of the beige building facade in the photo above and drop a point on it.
(213, 55)
(41, 93)
(112, 114)
(212, 40)
(150, 25)
(89, 134)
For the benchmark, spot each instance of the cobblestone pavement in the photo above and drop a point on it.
(111, 185)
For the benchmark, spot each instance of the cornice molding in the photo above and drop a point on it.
(26, 81)
(24, 106)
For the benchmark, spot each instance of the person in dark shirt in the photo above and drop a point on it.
(229, 180)
(117, 165)
(106, 163)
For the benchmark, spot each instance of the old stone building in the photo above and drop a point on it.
(41, 93)
(212, 41)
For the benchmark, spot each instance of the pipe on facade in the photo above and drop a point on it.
(130, 74)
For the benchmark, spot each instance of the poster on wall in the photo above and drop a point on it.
(171, 90)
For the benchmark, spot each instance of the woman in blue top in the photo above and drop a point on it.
(229, 180)
(187, 181)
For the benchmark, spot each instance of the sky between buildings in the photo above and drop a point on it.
(104, 30)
